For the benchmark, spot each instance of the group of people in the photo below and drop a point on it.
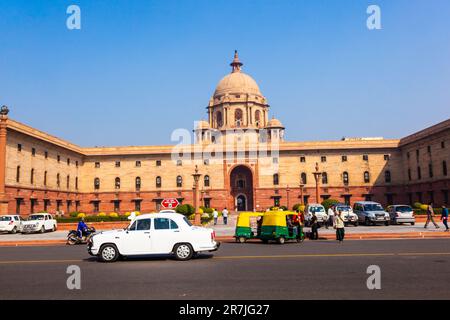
(430, 214)
(224, 216)
(335, 219)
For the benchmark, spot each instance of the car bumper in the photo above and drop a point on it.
(30, 230)
(404, 220)
(5, 229)
(214, 247)
(378, 220)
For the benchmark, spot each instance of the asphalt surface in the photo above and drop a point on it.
(410, 269)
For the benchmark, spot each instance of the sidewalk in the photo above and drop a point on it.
(226, 233)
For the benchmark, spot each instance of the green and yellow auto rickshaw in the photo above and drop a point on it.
(247, 226)
(275, 227)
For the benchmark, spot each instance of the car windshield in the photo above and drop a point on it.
(344, 208)
(187, 221)
(373, 207)
(317, 209)
(5, 218)
(31, 218)
(403, 209)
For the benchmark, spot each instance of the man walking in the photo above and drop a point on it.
(430, 213)
(444, 217)
(330, 213)
(215, 215)
(339, 225)
(225, 216)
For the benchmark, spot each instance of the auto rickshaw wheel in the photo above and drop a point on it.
(265, 241)
(281, 240)
(242, 239)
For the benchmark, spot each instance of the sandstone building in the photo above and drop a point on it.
(40, 172)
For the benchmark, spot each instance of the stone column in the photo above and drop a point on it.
(196, 176)
(317, 175)
(3, 132)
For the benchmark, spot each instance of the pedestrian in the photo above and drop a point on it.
(444, 217)
(225, 216)
(314, 227)
(339, 225)
(329, 221)
(430, 213)
(215, 215)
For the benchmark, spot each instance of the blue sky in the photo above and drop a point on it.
(139, 69)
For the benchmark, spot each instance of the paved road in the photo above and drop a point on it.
(411, 269)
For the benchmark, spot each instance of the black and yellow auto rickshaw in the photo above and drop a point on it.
(244, 230)
(280, 226)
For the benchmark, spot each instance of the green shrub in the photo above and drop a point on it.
(329, 202)
(74, 214)
(91, 219)
(299, 206)
(185, 209)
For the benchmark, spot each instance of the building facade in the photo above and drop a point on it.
(241, 154)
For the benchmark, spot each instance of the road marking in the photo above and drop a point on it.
(332, 255)
(312, 255)
(39, 261)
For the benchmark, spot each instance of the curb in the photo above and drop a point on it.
(228, 239)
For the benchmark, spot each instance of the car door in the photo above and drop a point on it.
(165, 234)
(137, 239)
(47, 222)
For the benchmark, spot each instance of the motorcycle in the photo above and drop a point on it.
(73, 237)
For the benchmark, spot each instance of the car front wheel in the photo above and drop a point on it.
(108, 253)
(183, 251)
(14, 230)
(42, 229)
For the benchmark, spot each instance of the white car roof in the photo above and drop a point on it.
(172, 215)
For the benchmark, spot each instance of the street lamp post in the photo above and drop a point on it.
(301, 185)
(287, 195)
(3, 132)
(317, 174)
(196, 176)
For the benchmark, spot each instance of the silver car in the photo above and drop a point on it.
(401, 213)
(371, 213)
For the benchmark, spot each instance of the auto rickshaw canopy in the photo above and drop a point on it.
(276, 218)
(243, 219)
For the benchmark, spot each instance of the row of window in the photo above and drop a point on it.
(58, 178)
(33, 153)
(344, 158)
(408, 155)
(430, 171)
(158, 182)
(345, 177)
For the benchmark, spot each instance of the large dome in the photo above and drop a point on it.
(237, 82)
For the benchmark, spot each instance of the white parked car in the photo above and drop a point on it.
(401, 213)
(11, 223)
(318, 209)
(39, 222)
(349, 216)
(156, 233)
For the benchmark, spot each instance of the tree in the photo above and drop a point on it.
(329, 202)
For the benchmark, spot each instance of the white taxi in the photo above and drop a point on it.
(155, 233)
(11, 223)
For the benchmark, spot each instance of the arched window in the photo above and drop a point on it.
(45, 178)
(444, 168)
(276, 179)
(58, 180)
(324, 178)
(76, 183)
(219, 119)
(345, 177)
(117, 183)
(257, 118)
(18, 174)
(67, 182)
(366, 176)
(138, 183)
(238, 117)
(206, 181)
(158, 182)
(97, 183)
(32, 176)
(387, 176)
(303, 178)
(179, 181)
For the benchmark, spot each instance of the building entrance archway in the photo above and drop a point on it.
(241, 186)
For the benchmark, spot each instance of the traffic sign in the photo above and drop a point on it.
(170, 203)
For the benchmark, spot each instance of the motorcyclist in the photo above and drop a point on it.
(82, 228)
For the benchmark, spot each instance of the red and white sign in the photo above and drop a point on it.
(170, 203)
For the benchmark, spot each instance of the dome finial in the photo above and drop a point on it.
(236, 64)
